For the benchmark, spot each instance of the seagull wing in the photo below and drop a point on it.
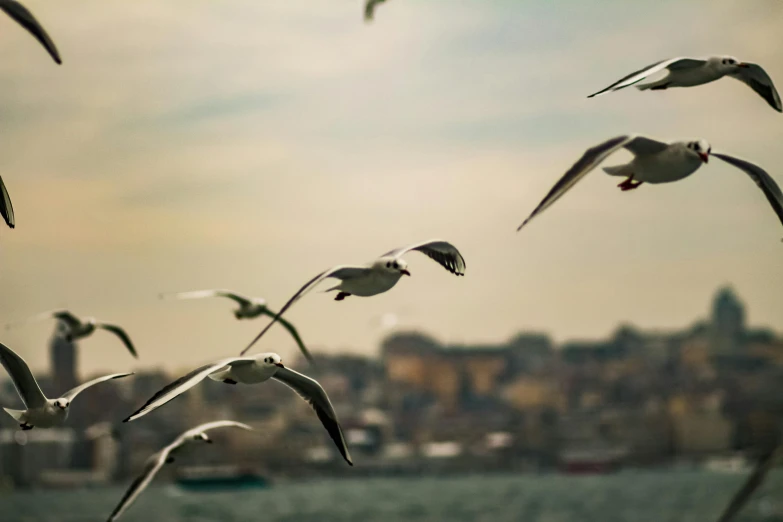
(61, 315)
(589, 160)
(757, 79)
(339, 272)
(311, 391)
(755, 480)
(294, 333)
(203, 428)
(151, 468)
(22, 377)
(26, 19)
(369, 9)
(200, 294)
(6, 208)
(764, 181)
(443, 252)
(637, 76)
(71, 394)
(183, 384)
(122, 334)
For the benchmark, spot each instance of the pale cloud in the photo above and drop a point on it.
(193, 144)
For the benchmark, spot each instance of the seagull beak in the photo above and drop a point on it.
(743, 65)
(704, 157)
(279, 365)
(405, 272)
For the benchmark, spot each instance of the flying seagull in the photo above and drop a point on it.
(369, 9)
(656, 162)
(753, 482)
(6, 208)
(41, 412)
(690, 72)
(26, 19)
(75, 328)
(376, 277)
(249, 308)
(165, 456)
(253, 370)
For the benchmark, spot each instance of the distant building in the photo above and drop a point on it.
(62, 355)
(728, 323)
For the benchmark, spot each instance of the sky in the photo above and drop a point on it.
(249, 145)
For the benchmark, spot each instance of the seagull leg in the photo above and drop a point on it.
(229, 381)
(26, 426)
(629, 184)
(341, 295)
(661, 87)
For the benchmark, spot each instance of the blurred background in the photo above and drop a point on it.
(636, 338)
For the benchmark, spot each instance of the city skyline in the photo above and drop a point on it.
(251, 146)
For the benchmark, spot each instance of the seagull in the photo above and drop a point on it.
(41, 412)
(75, 328)
(755, 479)
(164, 456)
(369, 9)
(656, 162)
(376, 277)
(690, 72)
(26, 19)
(6, 208)
(253, 370)
(249, 308)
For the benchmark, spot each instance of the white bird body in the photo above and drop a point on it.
(252, 373)
(376, 280)
(671, 164)
(40, 411)
(710, 70)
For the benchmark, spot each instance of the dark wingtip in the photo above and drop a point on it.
(127, 419)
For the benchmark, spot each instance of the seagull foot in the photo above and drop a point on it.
(229, 381)
(660, 87)
(341, 295)
(629, 184)
(26, 426)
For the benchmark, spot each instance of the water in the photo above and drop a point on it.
(624, 497)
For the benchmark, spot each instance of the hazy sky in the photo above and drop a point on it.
(250, 144)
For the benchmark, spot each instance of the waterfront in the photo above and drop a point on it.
(629, 496)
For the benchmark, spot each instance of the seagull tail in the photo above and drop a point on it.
(16, 414)
(619, 170)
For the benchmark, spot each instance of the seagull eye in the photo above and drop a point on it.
(388, 264)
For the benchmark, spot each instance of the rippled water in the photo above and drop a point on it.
(626, 497)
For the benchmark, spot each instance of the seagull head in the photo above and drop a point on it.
(61, 403)
(729, 62)
(272, 359)
(702, 148)
(395, 265)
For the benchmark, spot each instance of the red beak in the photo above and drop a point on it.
(743, 65)
(405, 272)
(704, 157)
(279, 365)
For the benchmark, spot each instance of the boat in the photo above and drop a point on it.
(220, 478)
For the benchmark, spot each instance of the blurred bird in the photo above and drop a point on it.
(376, 277)
(249, 308)
(369, 9)
(165, 456)
(6, 208)
(254, 370)
(756, 478)
(656, 162)
(74, 328)
(26, 19)
(41, 412)
(690, 72)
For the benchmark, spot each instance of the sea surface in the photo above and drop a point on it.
(631, 496)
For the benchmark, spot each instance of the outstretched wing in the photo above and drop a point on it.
(71, 394)
(755, 480)
(22, 377)
(200, 294)
(294, 333)
(757, 79)
(589, 160)
(339, 272)
(26, 19)
(443, 252)
(183, 384)
(312, 392)
(203, 428)
(61, 315)
(122, 334)
(6, 208)
(141, 482)
(764, 181)
(641, 74)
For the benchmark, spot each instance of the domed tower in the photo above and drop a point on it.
(728, 322)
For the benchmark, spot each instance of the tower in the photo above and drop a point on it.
(62, 355)
(727, 322)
